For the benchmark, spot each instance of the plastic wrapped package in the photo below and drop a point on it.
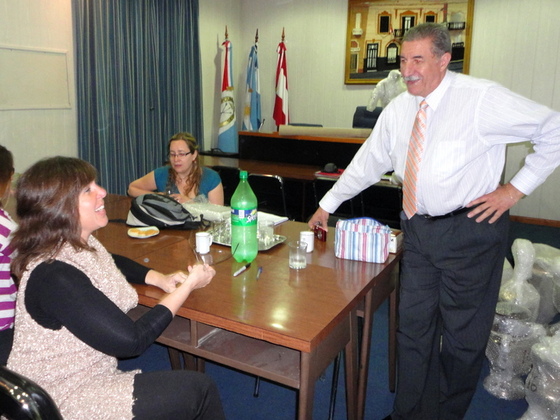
(517, 290)
(556, 293)
(547, 260)
(508, 350)
(507, 272)
(553, 328)
(542, 387)
(544, 284)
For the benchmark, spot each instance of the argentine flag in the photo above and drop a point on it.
(252, 112)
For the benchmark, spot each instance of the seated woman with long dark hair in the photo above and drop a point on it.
(184, 178)
(71, 322)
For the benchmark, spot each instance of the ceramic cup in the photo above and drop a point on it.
(203, 242)
(309, 238)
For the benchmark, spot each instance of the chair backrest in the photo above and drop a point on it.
(270, 193)
(230, 180)
(23, 399)
(364, 118)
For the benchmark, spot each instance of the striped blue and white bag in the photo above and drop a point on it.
(362, 239)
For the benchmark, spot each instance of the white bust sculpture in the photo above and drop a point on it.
(387, 89)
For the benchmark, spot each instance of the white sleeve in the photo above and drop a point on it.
(366, 168)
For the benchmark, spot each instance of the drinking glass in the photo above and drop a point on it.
(266, 232)
(297, 258)
(221, 229)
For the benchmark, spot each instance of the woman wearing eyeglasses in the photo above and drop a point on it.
(183, 178)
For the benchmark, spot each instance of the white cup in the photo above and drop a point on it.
(309, 238)
(203, 242)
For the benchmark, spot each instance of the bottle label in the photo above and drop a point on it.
(243, 217)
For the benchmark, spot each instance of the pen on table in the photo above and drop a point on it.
(259, 271)
(242, 269)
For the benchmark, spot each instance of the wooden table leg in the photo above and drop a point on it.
(351, 365)
(393, 325)
(174, 358)
(372, 301)
(312, 365)
(306, 389)
(364, 354)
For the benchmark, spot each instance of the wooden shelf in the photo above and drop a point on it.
(257, 357)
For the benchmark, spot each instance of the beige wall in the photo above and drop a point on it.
(33, 134)
(516, 44)
(512, 44)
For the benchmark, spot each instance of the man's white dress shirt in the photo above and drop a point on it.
(469, 123)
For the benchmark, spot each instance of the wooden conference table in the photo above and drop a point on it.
(286, 326)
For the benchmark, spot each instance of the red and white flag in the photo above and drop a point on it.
(280, 114)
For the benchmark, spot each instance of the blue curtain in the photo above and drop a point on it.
(138, 82)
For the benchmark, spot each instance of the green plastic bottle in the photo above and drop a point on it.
(244, 241)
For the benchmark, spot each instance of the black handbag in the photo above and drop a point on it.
(162, 211)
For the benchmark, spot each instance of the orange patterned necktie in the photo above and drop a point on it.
(413, 158)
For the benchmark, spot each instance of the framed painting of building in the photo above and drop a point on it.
(376, 29)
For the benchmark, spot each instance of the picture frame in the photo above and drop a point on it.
(376, 27)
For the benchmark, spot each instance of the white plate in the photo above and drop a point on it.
(143, 232)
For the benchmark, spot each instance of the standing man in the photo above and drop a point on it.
(445, 138)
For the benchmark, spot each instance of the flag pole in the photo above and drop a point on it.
(281, 112)
(283, 36)
(281, 40)
(227, 131)
(252, 109)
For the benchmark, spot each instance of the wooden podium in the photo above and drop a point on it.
(303, 150)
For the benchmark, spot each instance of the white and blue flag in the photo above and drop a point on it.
(252, 112)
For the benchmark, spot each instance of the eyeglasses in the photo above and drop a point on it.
(179, 155)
